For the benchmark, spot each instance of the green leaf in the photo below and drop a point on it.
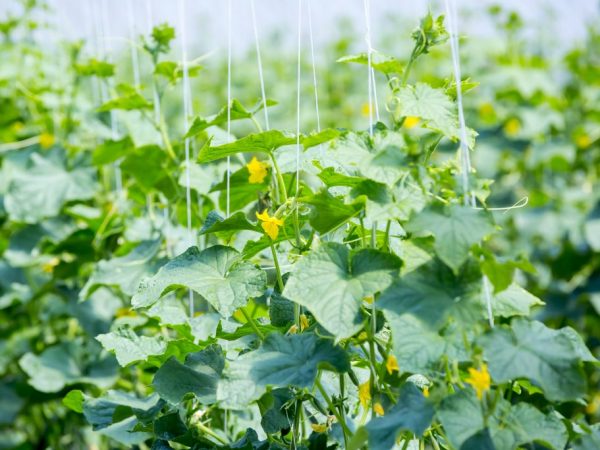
(332, 282)
(199, 376)
(129, 347)
(275, 417)
(95, 67)
(383, 63)
(281, 361)
(456, 229)
(510, 427)
(100, 412)
(412, 412)
(241, 191)
(329, 212)
(589, 441)
(217, 274)
(40, 189)
(124, 272)
(531, 350)
(64, 365)
(433, 106)
(514, 301)
(317, 138)
(264, 142)
(74, 400)
(146, 164)
(226, 228)
(162, 35)
(109, 151)
(433, 294)
(419, 349)
(129, 99)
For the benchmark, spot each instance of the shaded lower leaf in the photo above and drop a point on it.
(412, 412)
(281, 361)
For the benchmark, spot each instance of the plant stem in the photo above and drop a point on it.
(162, 127)
(211, 433)
(340, 419)
(280, 181)
(252, 323)
(386, 238)
(277, 268)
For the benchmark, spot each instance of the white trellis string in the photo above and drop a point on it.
(186, 114)
(298, 74)
(228, 175)
(314, 65)
(367, 8)
(371, 86)
(135, 63)
(107, 46)
(464, 148)
(155, 99)
(260, 67)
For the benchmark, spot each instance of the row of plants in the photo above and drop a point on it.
(344, 308)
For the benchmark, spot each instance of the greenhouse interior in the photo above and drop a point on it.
(299, 224)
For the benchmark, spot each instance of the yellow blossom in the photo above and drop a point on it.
(319, 427)
(486, 110)
(364, 393)
(583, 141)
(594, 405)
(378, 409)
(303, 322)
(49, 266)
(269, 224)
(17, 126)
(257, 170)
(125, 312)
(392, 364)
(363, 336)
(46, 140)
(426, 391)
(368, 299)
(365, 109)
(480, 380)
(293, 329)
(512, 127)
(411, 121)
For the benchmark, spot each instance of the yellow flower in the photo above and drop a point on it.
(319, 427)
(269, 224)
(364, 394)
(411, 121)
(593, 405)
(46, 140)
(49, 266)
(303, 322)
(486, 110)
(378, 409)
(583, 141)
(512, 127)
(368, 299)
(392, 364)
(365, 109)
(426, 391)
(293, 329)
(17, 126)
(479, 379)
(363, 336)
(258, 171)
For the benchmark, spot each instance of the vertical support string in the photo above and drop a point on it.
(228, 193)
(135, 63)
(314, 65)
(108, 48)
(155, 98)
(260, 67)
(469, 197)
(298, 75)
(186, 113)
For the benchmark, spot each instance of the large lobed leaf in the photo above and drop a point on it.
(217, 274)
(332, 282)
